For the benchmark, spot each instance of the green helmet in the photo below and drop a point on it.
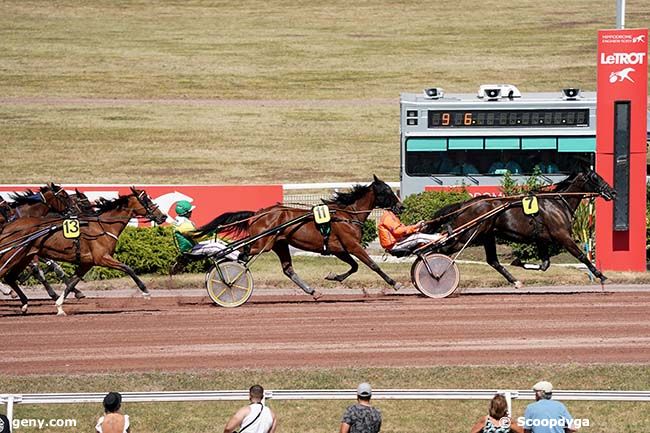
(183, 207)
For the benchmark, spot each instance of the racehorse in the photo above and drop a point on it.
(50, 198)
(551, 225)
(350, 210)
(94, 245)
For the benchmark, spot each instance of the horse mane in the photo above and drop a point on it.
(104, 205)
(20, 199)
(348, 198)
(235, 221)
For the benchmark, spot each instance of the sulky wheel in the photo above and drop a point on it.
(229, 284)
(442, 279)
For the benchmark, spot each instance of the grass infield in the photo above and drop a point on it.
(256, 92)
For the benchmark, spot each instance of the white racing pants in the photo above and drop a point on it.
(210, 248)
(417, 239)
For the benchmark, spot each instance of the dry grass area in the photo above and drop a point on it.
(252, 92)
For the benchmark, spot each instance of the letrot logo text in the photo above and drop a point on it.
(622, 58)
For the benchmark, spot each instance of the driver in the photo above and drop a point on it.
(190, 244)
(400, 239)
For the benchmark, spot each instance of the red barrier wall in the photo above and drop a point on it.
(210, 200)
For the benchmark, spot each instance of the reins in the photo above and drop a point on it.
(512, 198)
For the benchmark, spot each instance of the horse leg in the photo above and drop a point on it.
(12, 281)
(281, 249)
(542, 249)
(568, 243)
(38, 273)
(109, 262)
(490, 246)
(347, 258)
(358, 251)
(69, 287)
(59, 272)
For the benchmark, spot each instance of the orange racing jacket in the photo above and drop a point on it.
(391, 230)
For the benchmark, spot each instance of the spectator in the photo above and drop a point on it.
(5, 425)
(546, 166)
(505, 164)
(361, 417)
(546, 415)
(497, 420)
(463, 167)
(254, 418)
(113, 421)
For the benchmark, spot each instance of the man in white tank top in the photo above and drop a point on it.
(254, 418)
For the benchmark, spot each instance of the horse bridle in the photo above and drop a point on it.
(149, 206)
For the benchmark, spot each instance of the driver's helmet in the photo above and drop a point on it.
(183, 207)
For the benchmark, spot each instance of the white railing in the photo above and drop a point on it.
(335, 394)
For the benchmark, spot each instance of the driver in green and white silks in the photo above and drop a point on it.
(189, 244)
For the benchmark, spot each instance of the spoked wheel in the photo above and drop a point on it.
(441, 281)
(229, 284)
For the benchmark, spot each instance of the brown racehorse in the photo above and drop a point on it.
(551, 225)
(350, 210)
(26, 237)
(50, 199)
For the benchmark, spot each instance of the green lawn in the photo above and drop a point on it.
(324, 416)
(258, 91)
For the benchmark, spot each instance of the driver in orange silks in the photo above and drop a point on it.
(399, 239)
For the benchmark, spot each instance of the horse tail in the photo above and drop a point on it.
(235, 222)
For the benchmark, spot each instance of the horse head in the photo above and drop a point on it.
(384, 196)
(147, 208)
(596, 183)
(56, 198)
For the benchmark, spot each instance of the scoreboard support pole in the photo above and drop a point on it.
(621, 148)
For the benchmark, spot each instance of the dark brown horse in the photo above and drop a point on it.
(95, 245)
(350, 210)
(551, 225)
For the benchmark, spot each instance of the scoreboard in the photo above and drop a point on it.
(478, 128)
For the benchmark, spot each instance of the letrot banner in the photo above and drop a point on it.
(621, 148)
(210, 200)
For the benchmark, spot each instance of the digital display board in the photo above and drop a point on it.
(535, 118)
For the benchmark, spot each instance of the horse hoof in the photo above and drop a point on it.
(79, 294)
(5, 290)
(316, 295)
(60, 312)
(13, 294)
(24, 308)
(519, 285)
(331, 276)
(398, 286)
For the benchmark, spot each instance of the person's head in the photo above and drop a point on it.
(184, 208)
(498, 407)
(364, 392)
(543, 390)
(112, 402)
(256, 393)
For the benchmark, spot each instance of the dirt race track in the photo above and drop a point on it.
(188, 332)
